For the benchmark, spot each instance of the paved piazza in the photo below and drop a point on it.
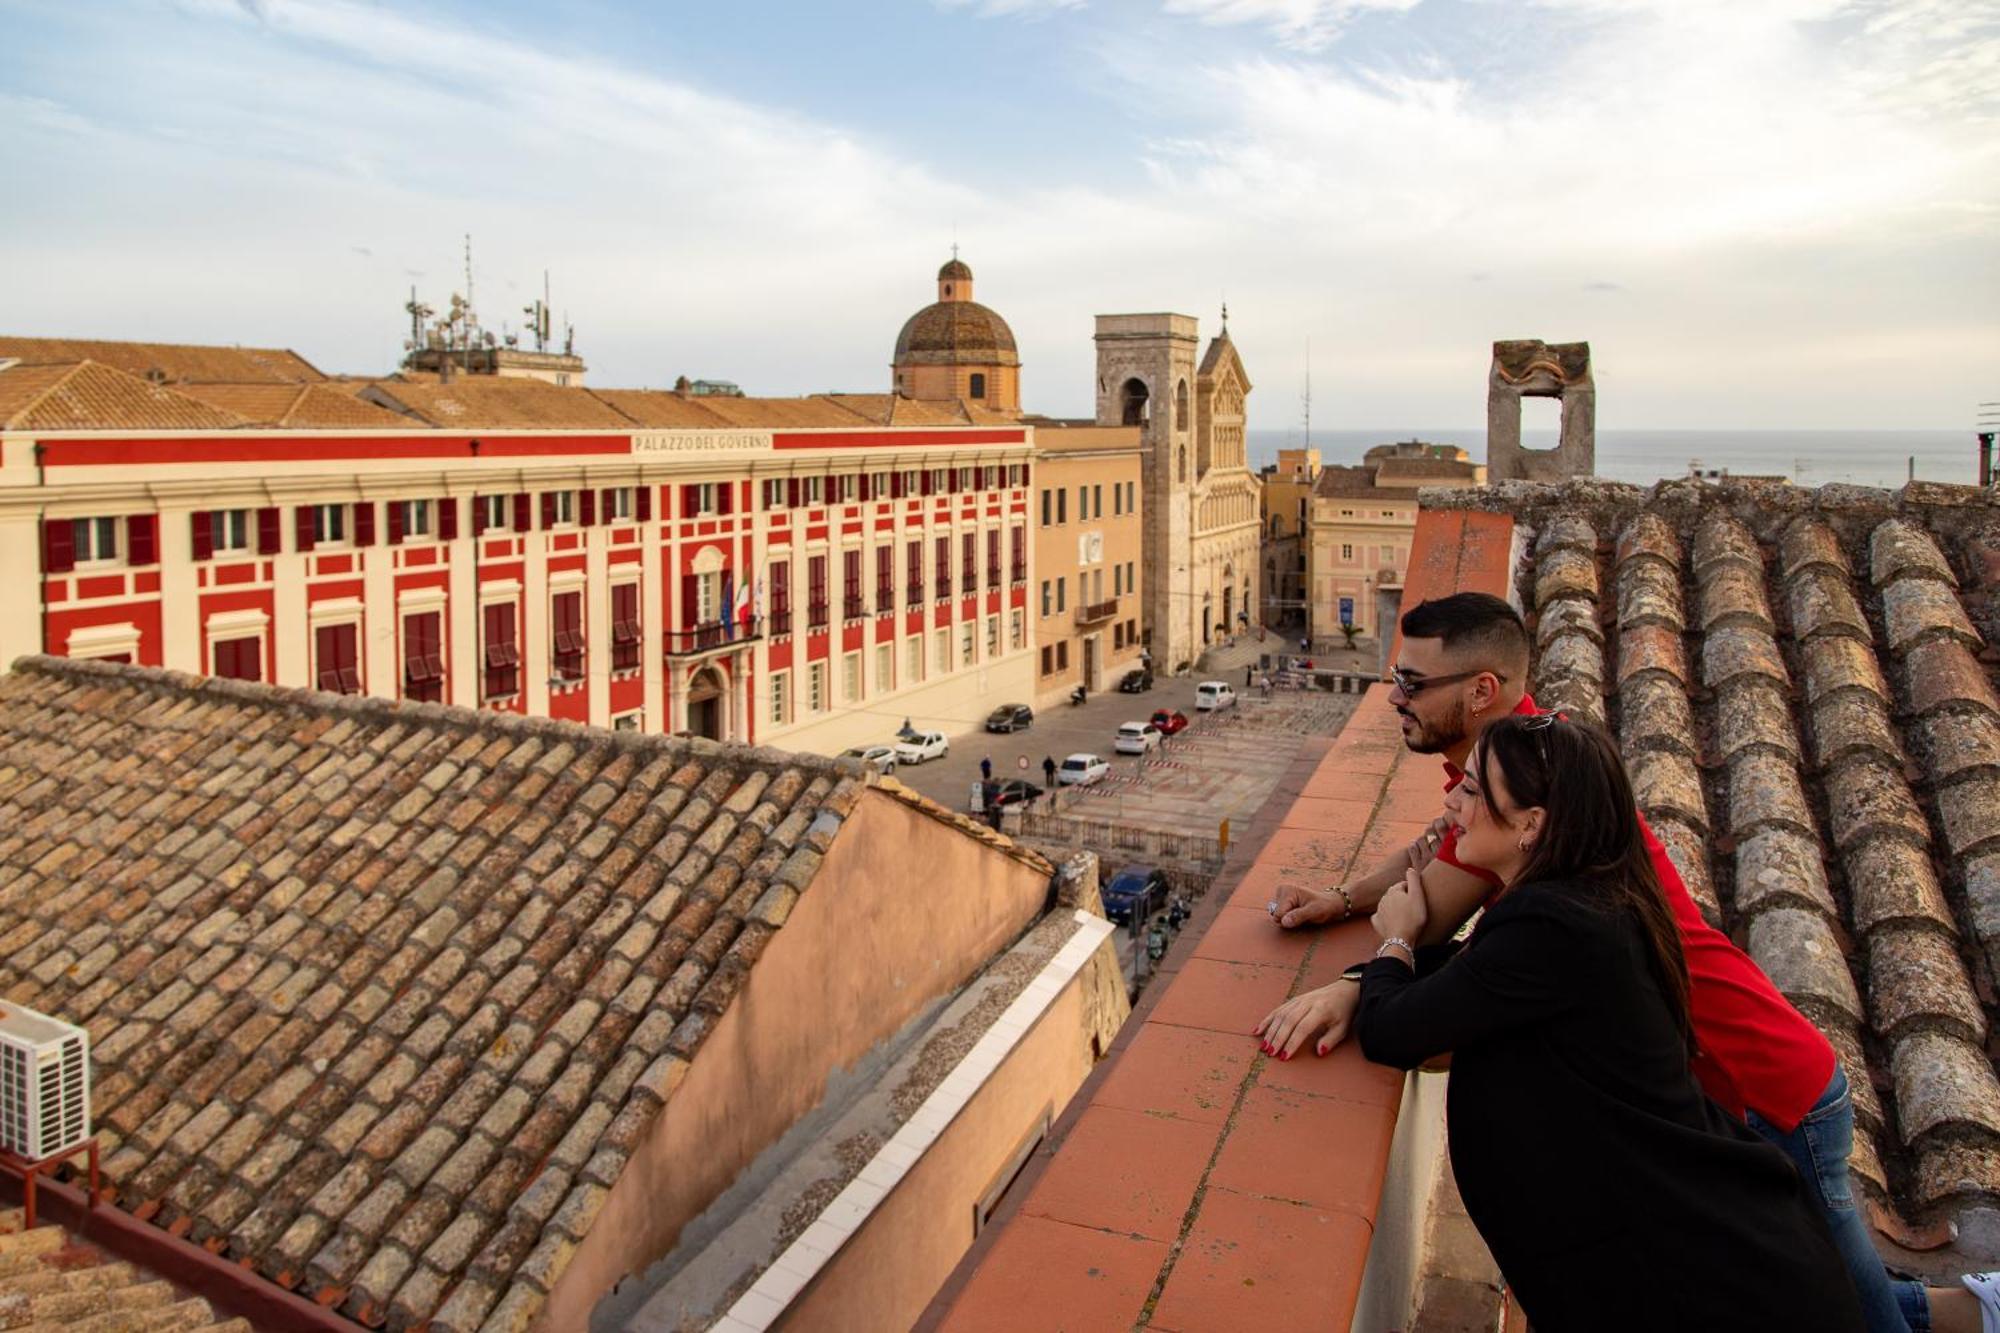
(1222, 767)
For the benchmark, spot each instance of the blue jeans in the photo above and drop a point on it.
(1819, 1148)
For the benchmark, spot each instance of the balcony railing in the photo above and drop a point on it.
(1096, 611)
(853, 606)
(816, 615)
(714, 635)
(781, 620)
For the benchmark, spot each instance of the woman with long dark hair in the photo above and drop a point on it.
(1612, 1193)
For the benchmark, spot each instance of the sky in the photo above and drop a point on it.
(1759, 213)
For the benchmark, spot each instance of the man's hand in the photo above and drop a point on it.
(1327, 1013)
(1404, 911)
(1296, 905)
(1424, 850)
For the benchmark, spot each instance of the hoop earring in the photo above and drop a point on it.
(1524, 844)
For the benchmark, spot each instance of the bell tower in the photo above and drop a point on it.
(1145, 378)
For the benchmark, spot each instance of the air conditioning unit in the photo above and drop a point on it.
(44, 1083)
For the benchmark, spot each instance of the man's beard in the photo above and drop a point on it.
(1439, 737)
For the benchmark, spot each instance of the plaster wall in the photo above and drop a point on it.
(904, 910)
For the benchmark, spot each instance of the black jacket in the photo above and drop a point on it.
(1612, 1192)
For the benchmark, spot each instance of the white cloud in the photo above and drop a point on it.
(1304, 25)
(1033, 9)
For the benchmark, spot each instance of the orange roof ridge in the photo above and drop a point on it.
(92, 395)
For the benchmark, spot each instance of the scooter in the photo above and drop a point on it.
(1079, 694)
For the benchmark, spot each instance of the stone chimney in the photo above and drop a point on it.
(1531, 368)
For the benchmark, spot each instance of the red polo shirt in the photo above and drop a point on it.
(1752, 1048)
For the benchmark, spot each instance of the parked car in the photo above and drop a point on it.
(1014, 791)
(1137, 681)
(926, 745)
(1170, 720)
(1212, 694)
(881, 758)
(1010, 718)
(1136, 738)
(1135, 891)
(1080, 770)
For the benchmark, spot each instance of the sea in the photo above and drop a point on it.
(1808, 457)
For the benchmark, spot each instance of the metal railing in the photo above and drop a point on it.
(714, 635)
(1093, 612)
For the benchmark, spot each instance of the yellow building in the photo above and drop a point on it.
(1286, 509)
(1090, 541)
(1362, 520)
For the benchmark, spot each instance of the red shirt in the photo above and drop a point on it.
(1752, 1048)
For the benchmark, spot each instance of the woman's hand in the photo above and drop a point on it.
(1403, 911)
(1326, 1012)
(1428, 843)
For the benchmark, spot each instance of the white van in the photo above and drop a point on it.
(1213, 694)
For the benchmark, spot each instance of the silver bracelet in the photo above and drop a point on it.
(1397, 942)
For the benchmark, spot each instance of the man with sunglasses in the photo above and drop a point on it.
(1464, 662)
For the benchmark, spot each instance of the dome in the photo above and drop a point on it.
(956, 333)
(955, 269)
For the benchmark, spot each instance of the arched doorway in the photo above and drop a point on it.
(1132, 399)
(705, 701)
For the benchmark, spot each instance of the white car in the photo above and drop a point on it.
(1136, 738)
(881, 758)
(924, 745)
(1213, 694)
(1080, 770)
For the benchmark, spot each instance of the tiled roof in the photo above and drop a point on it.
(297, 406)
(91, 396)
(1802, 682)
(51, 1280)
(660, 409)
(476, 402)
(1440, 469)
(175, 362)
(1340, 481)
(381, 996)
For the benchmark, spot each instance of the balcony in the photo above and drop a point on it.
(853, 607)
(781, 620)
(1096, 611)
(715, 636)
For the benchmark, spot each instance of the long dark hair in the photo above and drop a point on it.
(1590, 829)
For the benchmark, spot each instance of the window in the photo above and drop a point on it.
(558, 508)
(1047, 507)
(423, 657)
(965, 644)
(816, 687)
(95, 539)
(993, 558)
(411, 518)
(239, 659)
(816, 594)
(1062, 595)
(781, 694)
(914, 575)
(1048, 598)
(774, 493)
(329, 524)
(850, 682)
(490, 511)
(814, 488)
(336, 658)
(1117, 499)
(1083, 504)
(566, 636)
(708, 608)
(1062, 654)
(625, 627)
(885, 663)
(781, 597)
(502, 651)
(1062, 504)
(1131, 577)
(993, 636)
(880, 488)
(910, 482)
(1017, 554)
(885, 580)
(1388, 513)
(618, 508)
(913, 659)
(629, 722)
(1117, 635)
(941, 648)
(943, 546)
(1388, 555)
(978, 385)
(1097, 500)
(1131, 497)
(1048, 660)
(1118, 580)
(853, 604)
(1017, 630)
(228, 532)
(968, 563)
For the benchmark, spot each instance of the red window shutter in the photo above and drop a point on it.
(204, 537)
(524, 514)
(58, 546)
(269, 539)
(725, 494)
(605, 504)
(586, 507)
(304, 515)
(447, 507)
(791, 492)
(142, 539)
(687, 600)
(690, 499)
(364, 523)
(865, 488)
(395, 523)
(478, 515)
(548, 509)
(895, 485)
(925, 489)
(645, 504)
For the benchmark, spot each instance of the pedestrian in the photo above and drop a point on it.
(1249, 674)
(986, 769)
(1049, 773)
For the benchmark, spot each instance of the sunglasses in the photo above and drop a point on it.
(1412, 686)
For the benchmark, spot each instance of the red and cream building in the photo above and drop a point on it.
(800, 571)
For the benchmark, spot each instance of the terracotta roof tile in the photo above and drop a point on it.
(294, 406)
(90, 396)
(169, 362)
(1844, 733)
(328, 1047)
